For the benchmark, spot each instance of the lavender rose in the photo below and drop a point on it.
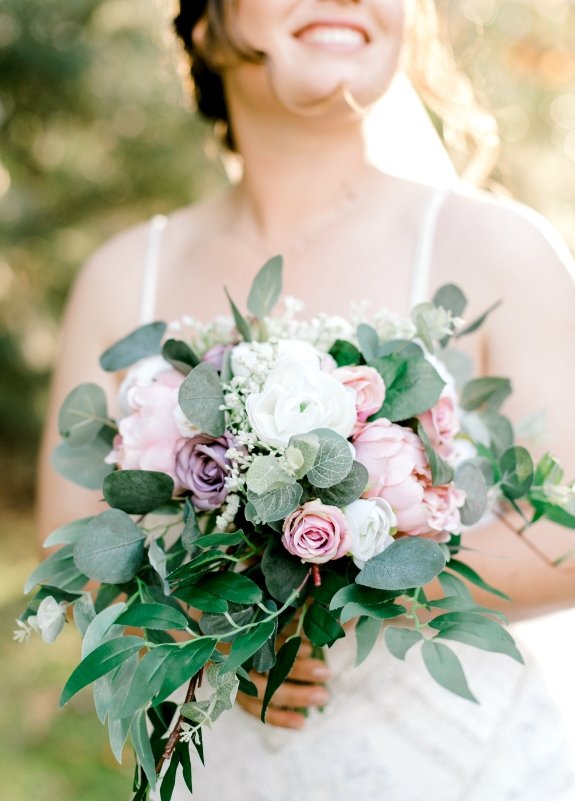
(316, 533)
(202, 467)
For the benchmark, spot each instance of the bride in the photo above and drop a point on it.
(293, 85)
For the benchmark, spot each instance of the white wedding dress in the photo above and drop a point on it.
(390, 733)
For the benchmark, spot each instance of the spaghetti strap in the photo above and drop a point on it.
(424, 247)
(157, 226)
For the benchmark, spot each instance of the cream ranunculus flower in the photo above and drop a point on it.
(298, 397)
(370, 524)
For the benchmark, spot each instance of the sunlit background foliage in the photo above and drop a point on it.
(95, 134)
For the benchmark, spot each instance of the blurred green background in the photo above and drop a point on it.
(96, 133)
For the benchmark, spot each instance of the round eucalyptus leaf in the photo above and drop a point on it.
(83, 414)
(111, 549)
(137, 492)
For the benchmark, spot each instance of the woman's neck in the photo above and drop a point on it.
(297, 178)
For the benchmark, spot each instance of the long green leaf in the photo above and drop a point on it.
(153, 616)
(146, 681)
(285, 659)
(445, 667)
(400, 640)
(321, 627)
(266, 288)
(143, 748)
(248, 644)
(144, 341)
(366, 633)
(472, 576)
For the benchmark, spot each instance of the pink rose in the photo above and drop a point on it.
(148, 437)
(316, 533)
(441, 424)
(398, 470)
(368, 385)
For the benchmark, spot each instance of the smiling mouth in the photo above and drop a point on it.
(333, 36)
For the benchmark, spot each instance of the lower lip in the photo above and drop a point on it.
(349, 44)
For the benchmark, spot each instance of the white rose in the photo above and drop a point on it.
(49, 619)
(298, 397)
(247, 356)
(371, 522)
(140, 375)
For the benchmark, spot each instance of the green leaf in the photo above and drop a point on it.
(400, 640)
(333, 460)
(111, 549)
(266, 474)
(100, 661)
(153, 616)
(366, 633)
(468, 573)
(84, 612)
(214, 540)
(489, 392)
(283, 572)
(242, 324)
(266, 288)
(412, 385)
(146, 681)
(516, 467)
(453, 586)
(278, 503)
(83, 464)
(348, 490)
(368, 340)
(308, 446)
(409, 562)
(478, 322)
(169, 778)
(469, 478)
(233, 587)
(248, 644)
(102, 628)
(58, 570)
(183, 664)
(67, 534)
(441, 472)
(345, 353)
(180, 355)
(444, 666)
(451, 298)
(500, 431)
(321, 627)
(217, 625)
(137, 492)
(548, 471)
(191, 531)
(144, 341)
(190, 572)
(478, 631)
(278, 674)
(83, 414)
(353, 593)
(201, 599)
(383, 610)
(200, 397)
(143, 748)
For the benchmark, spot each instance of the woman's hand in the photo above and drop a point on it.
(302, 689)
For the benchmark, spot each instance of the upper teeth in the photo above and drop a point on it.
(333, 35)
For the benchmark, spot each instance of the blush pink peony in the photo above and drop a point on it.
(441, 424)
(368, 385)
(316, 533)
(398, 471)
(443, 504)
(148, 437)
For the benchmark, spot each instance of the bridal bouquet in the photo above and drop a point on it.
(280, 478)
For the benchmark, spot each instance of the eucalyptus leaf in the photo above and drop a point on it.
(278, 503)
(451, 298)
(242, 324)
(469, 478)
(516, 467)
(144, 341)
(266, 288)
(501, 435)
(354, 593)
(348, 490)
(266, 474)
(191, 531)
(58, 570)
(200, 397)
(400, 640)
(479, 635)
(412, 386)
(380, 611)
(368, 340)
(444, 666)
(84, 612)
(308, 446)
(111, 549)
(83, 414)
(137, 492)
(366, 633)
(83, 464)
(408, 562)
(106, 657)
(202, 599)
(180, 355)
(333, 460)
(67, 534)
(490, 391)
